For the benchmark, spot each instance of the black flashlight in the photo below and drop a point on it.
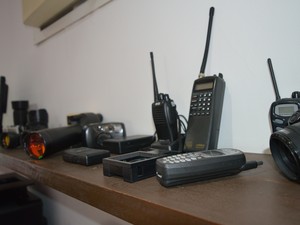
(41, 143)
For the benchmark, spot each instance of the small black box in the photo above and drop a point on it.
(128, 144)
(85, 156)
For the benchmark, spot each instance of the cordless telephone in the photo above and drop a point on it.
(202, 165)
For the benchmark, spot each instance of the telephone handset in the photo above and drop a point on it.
(206, 106)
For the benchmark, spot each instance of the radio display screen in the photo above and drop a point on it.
(286, 109)
(203, 86)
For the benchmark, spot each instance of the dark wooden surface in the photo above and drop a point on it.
(258, 196)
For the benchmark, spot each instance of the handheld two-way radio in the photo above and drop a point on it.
(165, 117)
(206, 106)
(283, 108)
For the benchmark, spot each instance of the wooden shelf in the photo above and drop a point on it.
(258, 196)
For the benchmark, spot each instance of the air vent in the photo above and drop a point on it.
(49, 17)
(42, 13)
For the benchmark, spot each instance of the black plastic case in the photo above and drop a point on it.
(85, 156)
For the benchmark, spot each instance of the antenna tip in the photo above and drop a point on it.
(211, 11)
(269, 61)
(151, 56)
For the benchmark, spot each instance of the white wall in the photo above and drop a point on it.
(102, 64)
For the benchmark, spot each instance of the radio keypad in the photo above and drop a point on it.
(201, 103)
(181, 158)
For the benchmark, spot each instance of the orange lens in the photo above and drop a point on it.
(36, 146)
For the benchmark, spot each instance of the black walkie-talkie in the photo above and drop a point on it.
(206, 106)
(283, 108)
(165, 117)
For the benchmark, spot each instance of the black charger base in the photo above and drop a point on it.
(133, 166)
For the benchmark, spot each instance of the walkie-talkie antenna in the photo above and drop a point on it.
(273, 79)
(155, 88)
(204, 60)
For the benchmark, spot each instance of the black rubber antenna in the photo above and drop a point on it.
(273, 79)
(203, 65)
(155, 88)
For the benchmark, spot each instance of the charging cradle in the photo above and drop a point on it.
(133, 166)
